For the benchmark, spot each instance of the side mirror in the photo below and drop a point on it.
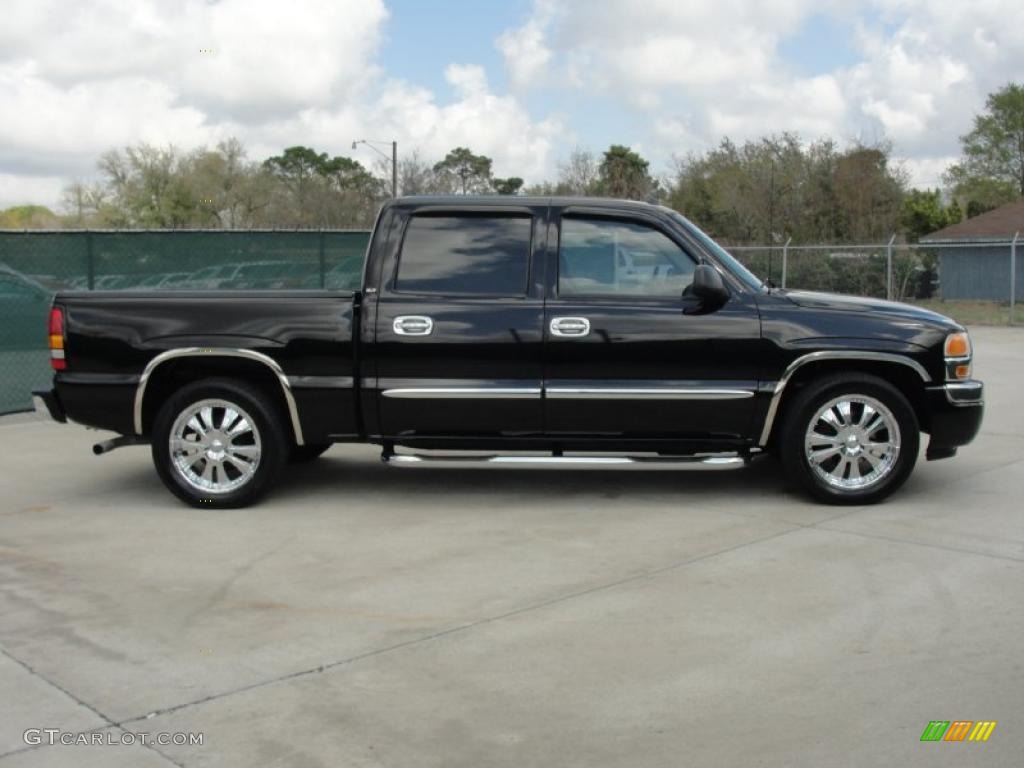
(708, 286)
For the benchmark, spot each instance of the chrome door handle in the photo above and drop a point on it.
(413, 325)
(573, 327)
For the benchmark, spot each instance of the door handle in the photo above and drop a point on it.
(572, 327)
(413, 325)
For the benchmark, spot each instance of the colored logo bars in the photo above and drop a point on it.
(958, 730)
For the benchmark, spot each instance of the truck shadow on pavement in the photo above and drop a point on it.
(355, 476)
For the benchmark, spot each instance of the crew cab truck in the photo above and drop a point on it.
(519, 331)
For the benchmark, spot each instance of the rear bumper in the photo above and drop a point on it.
(955, 411)
(47, 403)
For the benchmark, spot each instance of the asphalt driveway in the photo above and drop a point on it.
(373, 616)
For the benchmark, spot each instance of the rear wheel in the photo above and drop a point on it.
(219, 443)
(850, 439)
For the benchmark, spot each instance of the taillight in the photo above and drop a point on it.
(56, 329)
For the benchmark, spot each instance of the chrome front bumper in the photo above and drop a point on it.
(965, 393)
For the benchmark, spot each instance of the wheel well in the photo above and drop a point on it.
(174, 374)
(903, 377)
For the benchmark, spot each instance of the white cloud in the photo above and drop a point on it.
(927, 171)
(78, 79)
(525, 48)
(19, 189)
(705, 68)
(50, 128)
(230, 57)
(497, 126)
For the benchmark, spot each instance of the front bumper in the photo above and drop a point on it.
(954, 413)
(47, 403)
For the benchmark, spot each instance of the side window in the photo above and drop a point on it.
(605, 257)
(468, 254)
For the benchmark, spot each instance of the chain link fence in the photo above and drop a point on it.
(973, 282)
(35, 265)
(982, 277)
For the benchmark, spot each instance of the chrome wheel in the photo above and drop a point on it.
(853, 442)
(215, 446)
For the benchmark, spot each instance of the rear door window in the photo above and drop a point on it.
(465, 254)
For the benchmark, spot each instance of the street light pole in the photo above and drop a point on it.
(394, 159)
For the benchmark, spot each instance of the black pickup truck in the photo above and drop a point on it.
(519, 332)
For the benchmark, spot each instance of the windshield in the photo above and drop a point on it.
(730, 261)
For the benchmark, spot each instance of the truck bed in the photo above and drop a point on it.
(115, 337)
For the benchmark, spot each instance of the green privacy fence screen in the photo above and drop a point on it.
(35, 265)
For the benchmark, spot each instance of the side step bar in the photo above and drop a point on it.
(566, 462)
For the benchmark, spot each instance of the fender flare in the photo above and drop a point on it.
(834, 354)
(248, 354)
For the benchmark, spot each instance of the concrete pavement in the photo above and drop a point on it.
(374, 616)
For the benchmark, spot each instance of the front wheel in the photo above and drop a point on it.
(850, 439)
(219, 443)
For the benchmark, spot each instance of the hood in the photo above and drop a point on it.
(843, 303)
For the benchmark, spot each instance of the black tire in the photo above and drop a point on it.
(269, 429)
(806, 406)
(304, 453)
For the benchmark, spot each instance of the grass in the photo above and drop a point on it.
(972, 312)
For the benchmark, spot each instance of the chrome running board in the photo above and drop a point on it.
(565, 462)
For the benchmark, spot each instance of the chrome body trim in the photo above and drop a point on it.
(321, 382)
(569, 327)
(565, 462)
(413, 325)
(248, 354)
(464, 393)
(966, 394)
(836, 354)
(567, 393)
(644, 393)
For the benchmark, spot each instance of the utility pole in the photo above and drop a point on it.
(1013, 275)
(394, 159)
(771, 219)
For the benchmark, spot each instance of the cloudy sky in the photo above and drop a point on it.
(523, 81)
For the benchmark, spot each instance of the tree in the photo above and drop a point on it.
(416, 177)
(623, 173)
(979, 194)
(991, 171)
(954, 213)
(233, 192)
(578, 175)
(298, 169)
(147, 188)
(28, 217)
(463, 172)
(509, 186)
(923, 213)
(768, 190)
(868, 192)
(322, 191)
(85, 205)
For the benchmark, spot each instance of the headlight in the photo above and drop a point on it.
(957, 351)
